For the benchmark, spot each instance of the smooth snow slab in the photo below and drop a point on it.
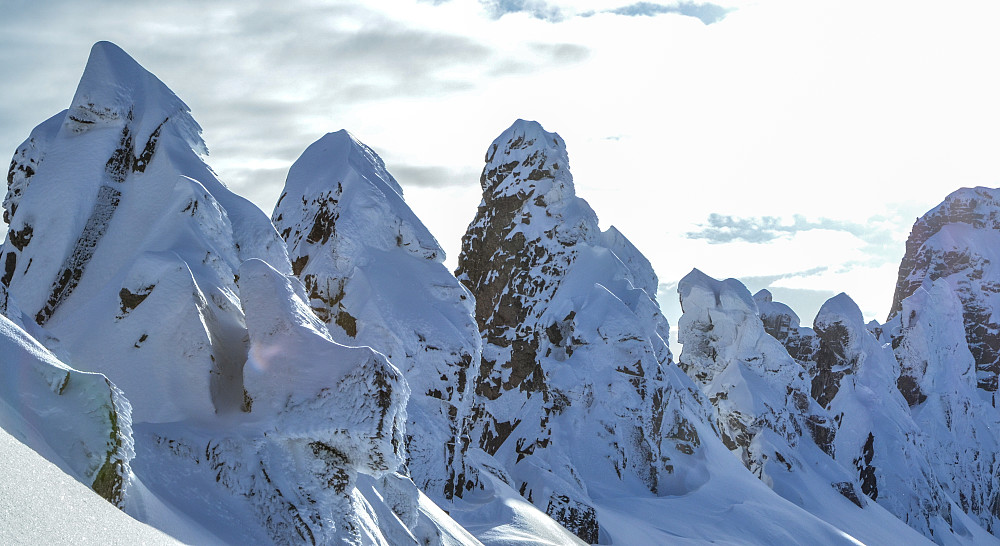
(40, 504)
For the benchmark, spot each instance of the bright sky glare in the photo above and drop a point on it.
(790, 144)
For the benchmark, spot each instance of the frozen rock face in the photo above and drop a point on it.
(79, 421)
(957, 241)
(938, 378)
(761, 395)
(144, 247)
(876, 435)
(573, 346)
(781, 323)
(374, 275)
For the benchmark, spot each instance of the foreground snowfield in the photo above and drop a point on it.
(320, 377)
(41, 504)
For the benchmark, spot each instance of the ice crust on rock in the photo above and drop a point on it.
(374, 275)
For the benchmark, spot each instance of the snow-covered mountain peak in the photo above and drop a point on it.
(707, 293)
(840, 309)
(114, 88)
(338, 157)
(525, 159)
(339, 188)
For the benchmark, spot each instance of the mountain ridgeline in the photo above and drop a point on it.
(320, 377)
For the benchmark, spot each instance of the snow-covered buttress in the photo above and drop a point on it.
(375, 275)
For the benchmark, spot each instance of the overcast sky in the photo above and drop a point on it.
(787, 144)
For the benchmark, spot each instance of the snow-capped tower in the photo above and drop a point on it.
(573, 346)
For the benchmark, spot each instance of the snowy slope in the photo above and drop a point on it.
(764, 410)
(145, 234)
(893, 451)
(40, 504)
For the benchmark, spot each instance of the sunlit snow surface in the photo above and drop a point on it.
(40, 504)
(247, 398)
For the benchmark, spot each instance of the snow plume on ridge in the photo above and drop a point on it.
(573, 345)
(374, 274)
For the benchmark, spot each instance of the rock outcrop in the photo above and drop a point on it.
(955, 241)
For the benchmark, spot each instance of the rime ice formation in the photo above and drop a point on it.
(374, 274)
(856, 381)
(893, 453)
(764, 411)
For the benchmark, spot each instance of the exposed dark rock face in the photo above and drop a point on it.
(953, 242)
(572, 341)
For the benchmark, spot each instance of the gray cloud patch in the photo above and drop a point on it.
(722, 228)
(433, 176)
(539, 9)
(706, 13)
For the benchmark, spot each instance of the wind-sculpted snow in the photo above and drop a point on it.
(338, 410)
(957, 241)
(855, 376)
(143, 234)
(856, 382)
(764, 411)
(938, 375)
(123, 257)
(79, 421)
(573, 346)
(373, 273)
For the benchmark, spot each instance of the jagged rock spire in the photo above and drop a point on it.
(573, 344)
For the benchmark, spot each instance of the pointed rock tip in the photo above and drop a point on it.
(763, 295)
(840, 308)
(524, 131)
(330, 159)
